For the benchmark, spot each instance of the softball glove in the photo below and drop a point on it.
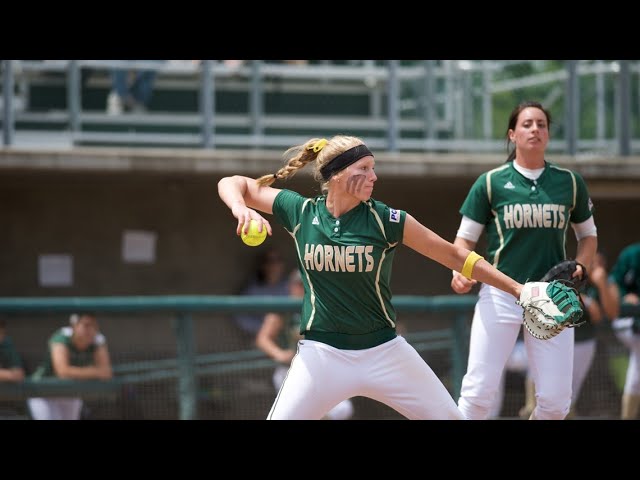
(549, 308)
(564, 271)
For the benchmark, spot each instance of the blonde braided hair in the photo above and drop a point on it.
(320, 150)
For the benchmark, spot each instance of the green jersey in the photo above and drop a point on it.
(626, 271)
(77, 358)
(346, 268)
(9, 357)
(527, 220)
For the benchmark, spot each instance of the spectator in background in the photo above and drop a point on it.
(626, 276)
(11, 366)
(233, 64)
(131, 90)
(78, 351)
(269, 279)
(278, 337)
(295, 62)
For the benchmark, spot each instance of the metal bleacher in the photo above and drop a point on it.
(429, 105)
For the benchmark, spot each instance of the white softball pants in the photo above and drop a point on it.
(497, 321)
(321, 376)
(343, 411)
(583, 355)
(58, 408)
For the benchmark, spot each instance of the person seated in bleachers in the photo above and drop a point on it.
(77, 351)
(131, 90)
(269, 278)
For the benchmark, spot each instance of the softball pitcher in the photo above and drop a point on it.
(345, 243)
(525, 206)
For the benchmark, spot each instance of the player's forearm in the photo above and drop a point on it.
(232, 190)
(84, 373)
(586, 250)
(268, 346)
(463, 242)
(595, 313)
(610, 301)
(11, 374)
(484, 272)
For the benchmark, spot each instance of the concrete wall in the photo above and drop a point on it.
(197, 250)
(84, 213)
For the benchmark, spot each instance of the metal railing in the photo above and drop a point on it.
(187, 366)
(429, 106)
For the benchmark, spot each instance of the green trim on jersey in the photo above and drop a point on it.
(346, 268)
(77, 358)
(526, 221)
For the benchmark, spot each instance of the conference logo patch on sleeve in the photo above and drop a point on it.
(394, 215)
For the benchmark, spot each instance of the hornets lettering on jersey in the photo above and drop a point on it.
(534, 216)
(334, 258)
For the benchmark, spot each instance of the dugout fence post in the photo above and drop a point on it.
(7, 104)
(207, 103)
(256, 101)
(572, 107)
(624, 109)
(74, 102)
(187, 391)
(393, 93)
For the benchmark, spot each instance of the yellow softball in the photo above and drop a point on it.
(253, 237)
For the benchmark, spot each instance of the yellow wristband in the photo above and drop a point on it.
(469, 263)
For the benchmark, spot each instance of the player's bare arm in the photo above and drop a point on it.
(266, 339)
(63, 368)
(431, 245)
(607, 291)
(244, 196)
(460, 283)
(102, 360)
(14, 374)
(592, 306)
(586, 251)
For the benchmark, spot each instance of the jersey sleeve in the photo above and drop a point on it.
(59, 337)
(392, 221)
(584, 205)
(287, 208)
(476, 206)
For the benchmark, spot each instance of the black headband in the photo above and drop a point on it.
(344, 160)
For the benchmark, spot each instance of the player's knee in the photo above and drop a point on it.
(553, 407)
(475, 408)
